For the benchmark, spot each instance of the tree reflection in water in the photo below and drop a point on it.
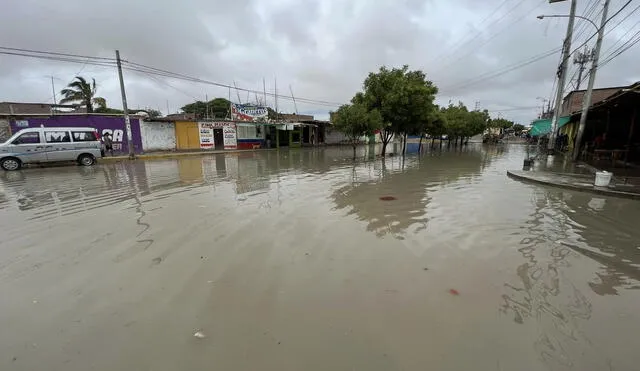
(410, 182)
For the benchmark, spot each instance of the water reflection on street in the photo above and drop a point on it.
(290, 260)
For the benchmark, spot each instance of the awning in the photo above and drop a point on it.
(543, 127)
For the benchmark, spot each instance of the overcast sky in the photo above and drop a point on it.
(323, 49)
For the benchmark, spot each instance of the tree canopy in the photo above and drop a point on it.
(500, 123)
(215, 108)
(403, 98)
(355, 121)
(462, 123)
(80, 90)
(518, 128)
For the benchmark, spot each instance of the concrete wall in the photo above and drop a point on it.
(158, 136)
(336, 137)
(5, 130)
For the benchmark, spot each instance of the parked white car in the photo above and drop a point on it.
(38, 145)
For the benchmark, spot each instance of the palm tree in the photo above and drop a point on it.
(84, 92)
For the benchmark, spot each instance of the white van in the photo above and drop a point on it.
(37, 145)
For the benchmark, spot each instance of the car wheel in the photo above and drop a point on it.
(10, 163)
(86, 160)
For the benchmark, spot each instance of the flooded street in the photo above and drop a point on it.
(291, 261)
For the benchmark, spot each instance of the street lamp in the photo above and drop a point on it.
(543, 16)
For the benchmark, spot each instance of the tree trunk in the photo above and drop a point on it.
(385, 140)
(433, 141)
(420, 144)
(354, 150)
(404, 144)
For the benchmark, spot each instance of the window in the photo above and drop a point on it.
(27, 138)
(246, 132)
(84, 136)
(57, 136)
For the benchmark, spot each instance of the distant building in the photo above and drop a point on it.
(572, 102)
(19, 108)
(292, 117)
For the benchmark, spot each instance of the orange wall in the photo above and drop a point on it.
(187, 135)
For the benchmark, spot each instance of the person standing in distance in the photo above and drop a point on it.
(108, 143)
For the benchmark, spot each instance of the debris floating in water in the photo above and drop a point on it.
(387, 198)
(199, 335)
(454, 292)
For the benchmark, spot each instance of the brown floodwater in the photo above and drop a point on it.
(309, 260)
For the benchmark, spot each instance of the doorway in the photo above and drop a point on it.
(283, 138)
(218, 138)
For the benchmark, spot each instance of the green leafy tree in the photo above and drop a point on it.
(215, 108)
(456, 120)
(501, 124)
(355, 121)
(404, 99)
(438, 126)
(518, 128)
(476, 123)
(462, 124)
(80, 90)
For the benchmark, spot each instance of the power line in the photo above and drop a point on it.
(461, 43)
(61, 59)
(160, 72)
(502, 71)
(622, 48)
(109, 62)
(493, 36)
(619, 10)
(55, 53)
(607, 21)
(626, 33)
(169, 85)
(584, 26)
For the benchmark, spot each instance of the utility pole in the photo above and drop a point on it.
(582, 58)
(230, 117)
(237, 92)
(477, 105)
(53, 89)
(294, 100)
(586, 103)
(127, 121)
(264, 91)
(566, 50)
(275, 84)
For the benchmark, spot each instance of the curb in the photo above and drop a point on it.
(595, 190)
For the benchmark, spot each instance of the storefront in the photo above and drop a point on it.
(251, 135)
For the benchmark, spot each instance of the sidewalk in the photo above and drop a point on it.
(619, 187)
(174, 154)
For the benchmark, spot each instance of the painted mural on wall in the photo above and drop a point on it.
(206, 135)
(248, 112)
(113, 125)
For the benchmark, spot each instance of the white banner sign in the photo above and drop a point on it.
(206, 135)
(248, 112)
(229, 134)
